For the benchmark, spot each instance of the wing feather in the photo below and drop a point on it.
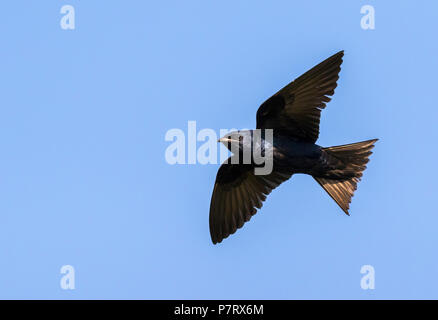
(297, 107)
(237, 195)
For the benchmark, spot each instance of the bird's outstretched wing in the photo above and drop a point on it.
(297, 107)
(237, 195)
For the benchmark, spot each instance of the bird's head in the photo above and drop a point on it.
(237, 140)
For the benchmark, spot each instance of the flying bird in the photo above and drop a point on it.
(293, 114)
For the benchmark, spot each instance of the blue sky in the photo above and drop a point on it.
(84, 182)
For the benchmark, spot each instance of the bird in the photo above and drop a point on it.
(293, 115)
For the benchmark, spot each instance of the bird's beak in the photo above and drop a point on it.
(225, 139)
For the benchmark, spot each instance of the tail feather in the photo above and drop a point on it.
(347, 164)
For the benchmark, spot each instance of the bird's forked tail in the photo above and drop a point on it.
(346, 165)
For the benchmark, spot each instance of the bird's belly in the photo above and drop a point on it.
(297, 156)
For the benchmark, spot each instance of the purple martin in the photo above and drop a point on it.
(293, 114)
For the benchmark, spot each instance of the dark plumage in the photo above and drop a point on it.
(293, 113)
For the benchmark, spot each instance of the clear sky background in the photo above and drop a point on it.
(84, 181)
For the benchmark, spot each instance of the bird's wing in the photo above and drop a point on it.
(237, 195)
(297, 107)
